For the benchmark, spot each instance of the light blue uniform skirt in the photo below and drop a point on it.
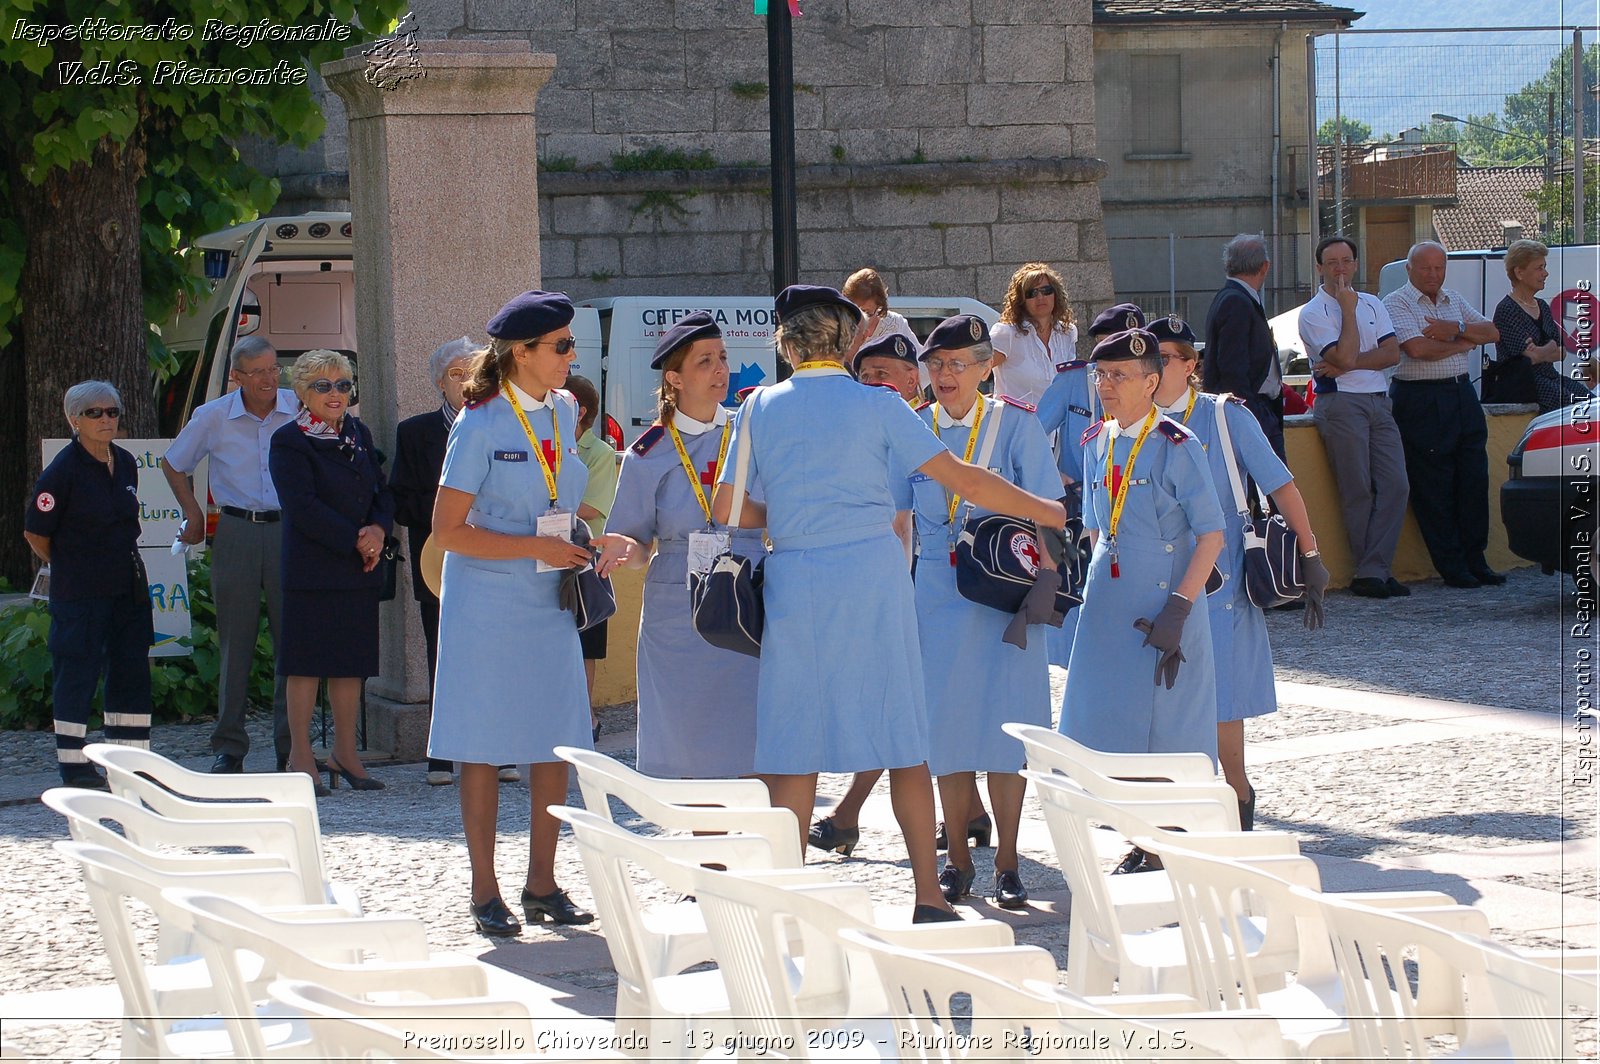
(1245, 685)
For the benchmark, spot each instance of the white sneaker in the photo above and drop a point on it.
(440, 778)
(509, 774)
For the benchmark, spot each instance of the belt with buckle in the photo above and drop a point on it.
(255, 517)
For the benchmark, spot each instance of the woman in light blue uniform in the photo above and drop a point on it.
(1067, 408)
(1245, 685)
(1141, 678)
(841, 685)
(697, 703)
(510, 684)
(975, 681)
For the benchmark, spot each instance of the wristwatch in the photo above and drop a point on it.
(1461, 328)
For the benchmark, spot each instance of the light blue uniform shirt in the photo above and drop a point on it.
(237, 442)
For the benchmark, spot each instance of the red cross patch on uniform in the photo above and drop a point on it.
(45, 502)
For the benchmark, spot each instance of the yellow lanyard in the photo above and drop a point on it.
(972, 445)
(688, 466)
(538, 448)
(1190, 408)
(1119, 490)
(821, 363)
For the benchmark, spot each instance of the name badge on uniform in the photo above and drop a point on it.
(511, 456)
(557, 523)
(919, 478)
(704, 549)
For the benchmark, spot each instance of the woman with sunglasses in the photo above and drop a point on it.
(510, 684)
(337, 515)
(1245, 684)
(840, 687)
(1035, 334)
(83, 522)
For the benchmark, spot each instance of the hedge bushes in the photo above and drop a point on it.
(180, 687)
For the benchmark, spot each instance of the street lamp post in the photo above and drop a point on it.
(1549, 145)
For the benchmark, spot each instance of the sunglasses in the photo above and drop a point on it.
(324, 386)
(1041, 290)
(564, 346)
(95, 413)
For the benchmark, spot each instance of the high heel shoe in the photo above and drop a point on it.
(357, 783)
(1247, 812)
(555, 905)
(979, 829)
(826, 835)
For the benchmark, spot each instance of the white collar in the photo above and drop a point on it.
(820, 371)
(529, 403)
(1179, 405)
(948, 422)
(689, 425)
(287, 403)
(1115, 428)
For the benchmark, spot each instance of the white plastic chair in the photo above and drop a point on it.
(1049, 751)
(178, 793)
(736, 806)
(1542, 997)
(164, 1003)
(1374, 949)
(789, 977)
(652, 944)
(1119, 924)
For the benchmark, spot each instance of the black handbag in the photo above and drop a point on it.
(389, 562)
(726, 603)
(1272, 575)
(997, 559)
(584, 592)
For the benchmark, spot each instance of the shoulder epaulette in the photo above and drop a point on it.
(1019, 404)
(1173, 431)
(919, 404)
(648, 439)
(744, 393)
(1077, 363)
(1090, 433)
(883, 384)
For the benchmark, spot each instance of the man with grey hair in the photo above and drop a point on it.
(1441, 421)
(235, 432)
(1241, 356)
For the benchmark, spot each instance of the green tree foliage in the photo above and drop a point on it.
(1556, 200)
(63, 96)
(1355, 130)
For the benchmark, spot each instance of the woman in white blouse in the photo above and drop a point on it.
(865, 288)
(1035, 334)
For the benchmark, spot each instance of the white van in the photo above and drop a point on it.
(630, 327)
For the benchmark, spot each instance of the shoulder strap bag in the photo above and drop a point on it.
(1271, 549)
(726, 603)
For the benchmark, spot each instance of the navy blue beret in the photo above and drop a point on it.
(798, 297)
(955, 333)
(531, 314)
(1117, 319)
(1172, 327)
(1126, 346)
(697, 326)
(897, 346)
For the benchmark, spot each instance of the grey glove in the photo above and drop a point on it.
(1062, 547)
(1164, 633)
(1315, 575)
(1038, 607)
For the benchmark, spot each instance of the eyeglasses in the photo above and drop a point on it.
(954, 365)
(1041, 290)
(95, 413)
(458, 375)
(563, 346)
(1111, 376)
(1182, 358)
(324, 386)
(257, 374)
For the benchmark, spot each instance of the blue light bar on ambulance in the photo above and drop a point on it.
(217, 263)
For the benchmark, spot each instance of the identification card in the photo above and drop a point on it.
(704, 549)
(557, 523)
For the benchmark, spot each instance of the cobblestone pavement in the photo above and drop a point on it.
(1386, 791)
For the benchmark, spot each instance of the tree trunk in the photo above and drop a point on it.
(82, 290)
(15, 479)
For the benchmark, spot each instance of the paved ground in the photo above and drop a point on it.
(1423, 743)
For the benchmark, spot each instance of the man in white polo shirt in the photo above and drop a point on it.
(1440, 418)
(1350, 341)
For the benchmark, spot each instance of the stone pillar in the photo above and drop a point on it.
(444, 202)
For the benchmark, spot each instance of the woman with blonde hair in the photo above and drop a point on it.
(337, 516)
(1530, 349)
(1035, 334)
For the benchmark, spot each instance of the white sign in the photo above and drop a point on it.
(159, 517)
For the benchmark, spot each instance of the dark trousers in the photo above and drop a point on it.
(93, 638)
(1268, 410)
(245, 565)
(1447, 461)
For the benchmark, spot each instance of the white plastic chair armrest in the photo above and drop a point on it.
(1177, 767)
(344, 896)
(1453, 916)
(307, 913)
(798, 878)
(1400, 899)
(394, 939)
(1018, 965)
(288, 787)
(1580, 962)
(446, 978)
(953, 935)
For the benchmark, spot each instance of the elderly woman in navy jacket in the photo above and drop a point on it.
(337, 515)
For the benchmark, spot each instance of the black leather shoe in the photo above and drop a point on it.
(1488, 576)
(1132, 861)
(826, 835)
(1369, 587)
(1009, 893)
(979, 829)
(956, 883)
(932, 914)
(1462, 580)
(226, 763)
(1396, 589)
(1247, 812)
(555, 905)
(493, 918)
